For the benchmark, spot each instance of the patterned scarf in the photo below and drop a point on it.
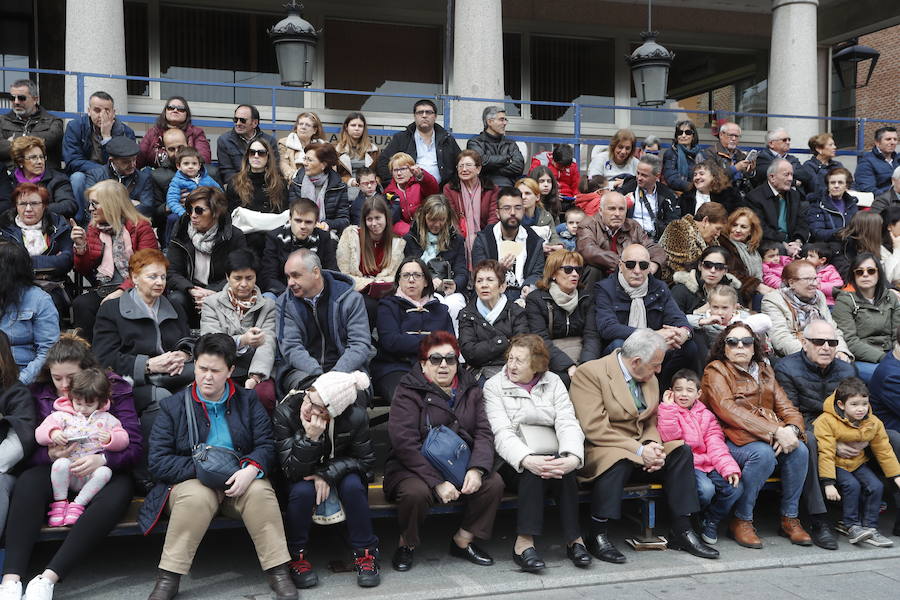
(203, 242)
(34, 239)
(314, 188)
(471, 201)
(806, 310)
(117, 250)
(241, 306)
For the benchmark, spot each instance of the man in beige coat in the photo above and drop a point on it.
(616, 400)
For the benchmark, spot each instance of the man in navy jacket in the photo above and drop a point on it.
(873, 172)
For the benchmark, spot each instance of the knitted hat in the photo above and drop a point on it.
(338, 390)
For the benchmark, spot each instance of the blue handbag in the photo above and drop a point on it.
(447, 452)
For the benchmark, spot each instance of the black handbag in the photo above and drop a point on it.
(213, 464)
(447, 452)
(440, 269)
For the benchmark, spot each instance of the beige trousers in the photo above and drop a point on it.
(192, 507)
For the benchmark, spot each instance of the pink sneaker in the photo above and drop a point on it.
(73, 512)
(57, 513)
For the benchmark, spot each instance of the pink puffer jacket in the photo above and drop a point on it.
(700, 430)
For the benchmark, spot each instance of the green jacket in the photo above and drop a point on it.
(868, 328)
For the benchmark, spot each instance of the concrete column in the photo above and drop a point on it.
(477, 60)
(95, 43)
(794, 68)
(622, 82)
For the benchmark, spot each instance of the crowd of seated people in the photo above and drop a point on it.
(696, 316)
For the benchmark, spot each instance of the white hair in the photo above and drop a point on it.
(643, 344)
(491, 112)
(771, 136)
(814, 323)
(654, 162)
(896, 173)
(310, 260)
(775, 164)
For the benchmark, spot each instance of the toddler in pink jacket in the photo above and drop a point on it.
(773, 264)
(829, 279)
(82, 422)
(682, 417)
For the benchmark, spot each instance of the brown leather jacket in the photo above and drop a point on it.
(748, 411)
(593, 242)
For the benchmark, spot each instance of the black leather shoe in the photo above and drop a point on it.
(602, 548)
(529, 561)
(822, 535)
(691, 543)
(166, 586)
(471, 553)
(279, 579)
(403, 558)
(578, 554)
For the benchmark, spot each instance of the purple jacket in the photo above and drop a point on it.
(121, 407)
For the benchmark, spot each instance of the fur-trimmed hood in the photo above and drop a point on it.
(691, 280)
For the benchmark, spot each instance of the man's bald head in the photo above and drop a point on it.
(174, 140)
(635, 252)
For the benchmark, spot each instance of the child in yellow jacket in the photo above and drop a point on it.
(848, 418)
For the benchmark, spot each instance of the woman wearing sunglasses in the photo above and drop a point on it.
(318, 181)
(684, 239)
(437, 392)
(563, 315)
(199, 249)
(763, 429)
(176, 114)
(798, 302)
(867, 313)
(404, 319)
(678, 160)
(257, 188)
(692, 288)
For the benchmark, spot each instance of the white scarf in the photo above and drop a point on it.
(637, 316)
(490, 314)
(567, 302)
(32, 237)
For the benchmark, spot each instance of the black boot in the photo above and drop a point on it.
(166, 586)
(279, 579)
(366, 562)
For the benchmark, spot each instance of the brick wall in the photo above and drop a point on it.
(881, 98)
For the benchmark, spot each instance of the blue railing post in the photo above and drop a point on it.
(861, 135)
(445, 109)
(79, 92)
(577, 140)
(274, 107)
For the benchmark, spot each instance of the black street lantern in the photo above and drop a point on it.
(850, 56)
(650, 64)
(295, 40)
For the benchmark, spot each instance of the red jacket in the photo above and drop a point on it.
(142, 236)
(567, 177)
(410, 199)
(488, 214)
(152, 146)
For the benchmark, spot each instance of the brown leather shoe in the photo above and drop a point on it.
(744, 533)
(166, 586)
(792, 529)
(280, 581)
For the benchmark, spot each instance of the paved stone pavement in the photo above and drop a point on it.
(226, 568)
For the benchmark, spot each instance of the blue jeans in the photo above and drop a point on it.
(716, 495)
(354, 495)
(865, 370)
(860, 492)
(758, 461)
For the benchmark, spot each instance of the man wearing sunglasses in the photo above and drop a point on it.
(778, 145)
(631, 299)
(433, 147)
(122, 167)
(808, 377)
(321, 325)
(232, 145)
(28, 117)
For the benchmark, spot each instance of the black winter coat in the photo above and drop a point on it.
(17, 413)
(445, 148)
(503, 163)
(259, 200)
(56, 261)
(337, 201)
(667, 209)
(62, 198)
(300, 456)
(401, 326)
(485, 247)
(279, 245)
(455, 255)
(807, 385)
(170, 452)
(581, 322)
(765, 204)
(729, 198)
(483, 344)
(181, 254)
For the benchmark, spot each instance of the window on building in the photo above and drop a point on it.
(15, 44)
(572, 70)
(137, 47)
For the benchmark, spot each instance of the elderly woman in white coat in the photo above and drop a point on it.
(537, 435)
(241, 311)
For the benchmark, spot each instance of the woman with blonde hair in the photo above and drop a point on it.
(115, 232)
(617, 161)
(741, 237)
(292, 148)
(410, 185)
(354, 148)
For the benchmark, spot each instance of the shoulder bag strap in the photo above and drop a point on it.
(193, 433)
(550, 318)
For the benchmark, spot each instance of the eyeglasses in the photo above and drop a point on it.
(787, 139)
(732, 135)
(462, 166)
(569, 269)
(239, 119)
(35, 158)
(821, 341)
(866, 271)
(258, 152)
(631, 264)
(424, 113)
(172, 107)
(734, 342)
(399, 170)
(713, 266)
(806, 279)
(513, 208)
(685, 132)
(198, 210)
(20, 98)
(437, 359)
(93, 204)
(29, 204)
(415, 276)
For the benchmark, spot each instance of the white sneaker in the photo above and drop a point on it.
(878, 540)
(11, 590)
(39, 588)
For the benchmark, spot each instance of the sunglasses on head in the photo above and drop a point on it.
(176, 108)
(865, 271)
(239, 119)
(569, 269)
(734, 342)
(198, 210)
(713, 266)
(258, 152)
(437, 359)
(19, 98)
(631, 264)
(821, 341)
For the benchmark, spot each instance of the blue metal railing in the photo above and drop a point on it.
(444, 101)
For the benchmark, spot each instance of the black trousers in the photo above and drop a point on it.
(386, 385)
(677, 476)
(532, 493)
(84, 313)
(27, 514)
